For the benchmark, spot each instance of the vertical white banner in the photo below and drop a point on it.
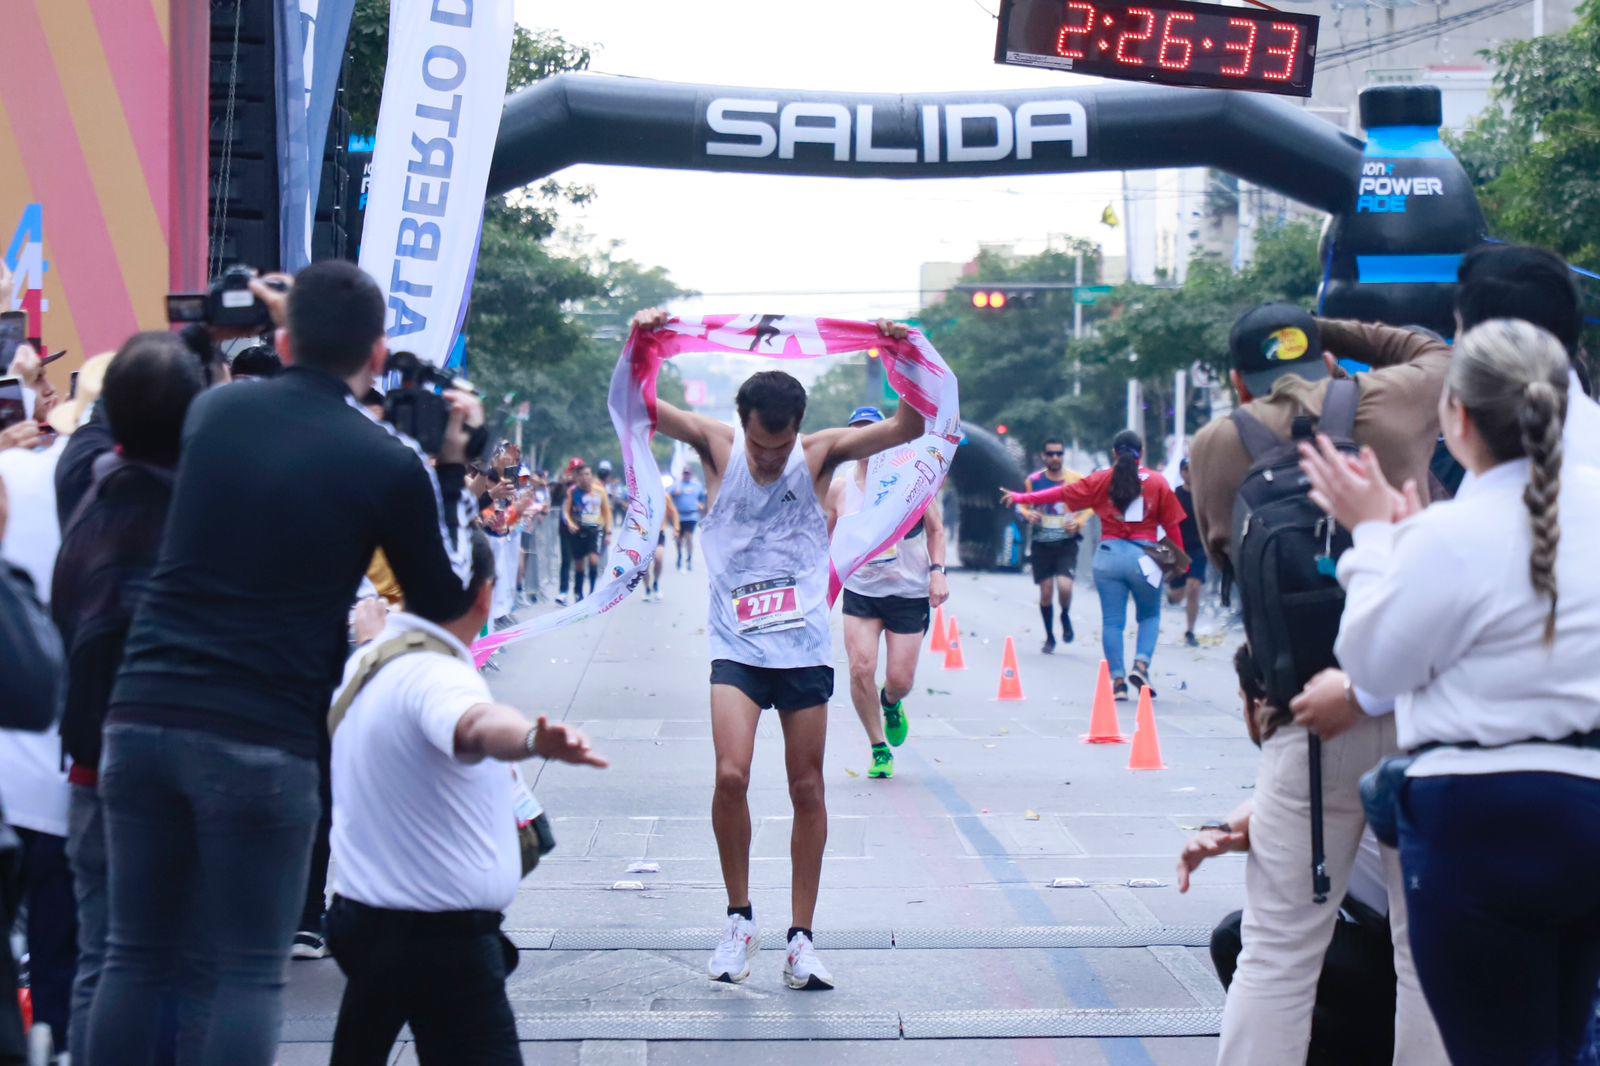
(443, 92)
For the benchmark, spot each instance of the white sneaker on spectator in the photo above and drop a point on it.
(801, 967)
(730, 962)
(309, 945)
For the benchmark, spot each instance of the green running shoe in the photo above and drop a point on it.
(896, 727)
(882, 761)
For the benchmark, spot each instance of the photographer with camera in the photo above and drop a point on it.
(428, 838)
(209, 774)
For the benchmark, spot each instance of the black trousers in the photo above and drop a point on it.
(444, 974)
(571, 565)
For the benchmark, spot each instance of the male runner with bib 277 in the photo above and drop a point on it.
(765, 542)
(890, 595)
(1057, 534)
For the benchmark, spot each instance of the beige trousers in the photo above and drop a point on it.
(1267, 1019)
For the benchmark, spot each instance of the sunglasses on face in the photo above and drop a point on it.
(1054, 455)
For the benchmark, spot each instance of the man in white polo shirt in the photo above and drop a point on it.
(426, 851)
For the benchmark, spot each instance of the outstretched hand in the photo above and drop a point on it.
(1208, 844)
(553, 740)
(896, 330)
(651, 318)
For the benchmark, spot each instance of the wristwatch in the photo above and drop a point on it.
(531, 740)
(936, 568)
(1221, 827)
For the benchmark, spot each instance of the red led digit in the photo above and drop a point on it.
(1245, 47)
(1168, 39)
(1127, 35)
(1067, 29)
(1289, 52)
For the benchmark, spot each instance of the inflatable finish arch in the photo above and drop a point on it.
(1403, 209)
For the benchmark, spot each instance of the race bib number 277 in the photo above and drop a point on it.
(768, 606)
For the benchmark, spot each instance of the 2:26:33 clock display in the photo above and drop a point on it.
(1170, 41)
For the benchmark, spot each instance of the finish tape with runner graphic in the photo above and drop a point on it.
(900, 482)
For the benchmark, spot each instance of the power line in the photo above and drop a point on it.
(1410, 35)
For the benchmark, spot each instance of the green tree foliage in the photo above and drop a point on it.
(542, 327)
(1020, 367)
(1535, 153)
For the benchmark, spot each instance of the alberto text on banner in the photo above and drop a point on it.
(900, 482)
(443, 92)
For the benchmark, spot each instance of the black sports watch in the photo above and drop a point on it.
(936, 568)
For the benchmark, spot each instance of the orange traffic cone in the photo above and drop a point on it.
(1103, 725)
(1010, 679)
(953, 659)
(940, 641)
(1146, 754)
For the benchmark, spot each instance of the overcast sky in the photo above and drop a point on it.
(842, 235)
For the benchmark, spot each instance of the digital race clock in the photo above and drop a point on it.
(1169, 41)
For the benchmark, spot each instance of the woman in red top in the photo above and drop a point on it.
(1134, 504)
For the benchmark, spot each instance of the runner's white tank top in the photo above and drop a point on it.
(766, 550)
(900, 569)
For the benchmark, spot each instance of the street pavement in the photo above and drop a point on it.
(1008, 897)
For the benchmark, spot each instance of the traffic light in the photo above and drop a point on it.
(998, 297)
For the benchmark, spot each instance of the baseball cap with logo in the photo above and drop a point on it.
(1273, 340)
(862, 416)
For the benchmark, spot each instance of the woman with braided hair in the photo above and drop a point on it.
(1483, 622)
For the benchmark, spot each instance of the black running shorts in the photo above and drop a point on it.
(686, 525)
(792, 689)
(1055, 558)
(586, 541)
(899, 614)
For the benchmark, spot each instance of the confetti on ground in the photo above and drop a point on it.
(645, 868)
(1032, 816)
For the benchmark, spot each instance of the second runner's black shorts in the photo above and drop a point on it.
(899, 614)
(787, 689)
(1055, 558)
(586, 541)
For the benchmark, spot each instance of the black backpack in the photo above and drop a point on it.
(1285, 547)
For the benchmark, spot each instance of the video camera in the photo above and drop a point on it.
(413, 403)
(228, 304)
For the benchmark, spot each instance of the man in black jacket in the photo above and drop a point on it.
(108, 549)
(285, 489)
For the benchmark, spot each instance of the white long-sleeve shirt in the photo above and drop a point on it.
(1440, 613)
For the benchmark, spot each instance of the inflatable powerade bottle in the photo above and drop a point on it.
(1392, 255)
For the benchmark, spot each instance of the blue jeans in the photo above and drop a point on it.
(1116, 577)
(209, 841)
(86, 851)
(1500, 873)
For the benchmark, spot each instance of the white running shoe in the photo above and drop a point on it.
(731, 961)
(802, 969)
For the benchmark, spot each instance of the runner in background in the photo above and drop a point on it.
(558, 503)
(585, 513)
(766, 540)
(690, 497)
(1057, 533)
(653, 589)
(1186, 588)
(890, 596)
